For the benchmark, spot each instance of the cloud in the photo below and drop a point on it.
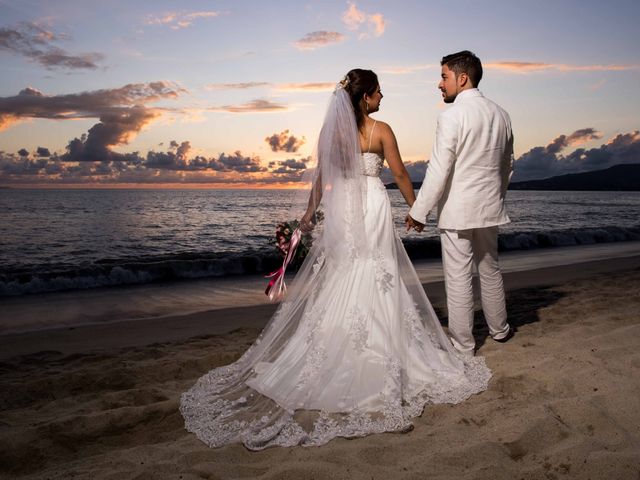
(122, 113)
(355, 19)
(579, 136)
(31, 103)
(43, 152)
(175, 159)
(284, 87)
(236, 86)
(533, 67)
(178, 20)
(35, 43)
(597, 85)
(15, 165)
(283, 142)
(255, 106)
(236, 163)
(113, 129)
(173, 166)
(290, 170)
(318, 39)
(306, 87)
(549, 161)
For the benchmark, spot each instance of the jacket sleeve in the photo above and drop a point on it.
(506, 169)
(442, 159)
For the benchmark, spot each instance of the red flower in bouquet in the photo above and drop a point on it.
(288, 236)
(282, 241)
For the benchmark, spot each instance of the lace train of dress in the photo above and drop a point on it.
(358, 350)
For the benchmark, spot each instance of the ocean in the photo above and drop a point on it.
(57, 240)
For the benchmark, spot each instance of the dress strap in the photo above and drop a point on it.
(371, 135)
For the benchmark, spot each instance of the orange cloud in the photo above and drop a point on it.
(318, 39)
(285, 87)
(576, 138)
(255, 106)
(33, 42)
(354, 19)
(284, 142)
(236, 86)
(7, 119)
(532, 67)
(307, 87)
(116, 106)
(377, 20)
(178, 20)
(597, 86)
(625, 139)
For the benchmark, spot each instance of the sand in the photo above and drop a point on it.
(101, 402)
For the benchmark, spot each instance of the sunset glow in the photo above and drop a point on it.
(231, 94)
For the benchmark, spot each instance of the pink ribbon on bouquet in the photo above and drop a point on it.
(276, 288)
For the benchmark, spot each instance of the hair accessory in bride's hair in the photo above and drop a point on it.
(343, 83)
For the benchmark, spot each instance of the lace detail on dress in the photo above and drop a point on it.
(383, 277)
(210, 417)
(416, 330)
(313, 363)
(412, 322)
(313, 319)
(349, 236)
(358, 331)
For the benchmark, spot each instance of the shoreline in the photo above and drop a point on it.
(84, 273)
(141, 332)
(99, 306)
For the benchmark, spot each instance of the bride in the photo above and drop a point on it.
(356, 347)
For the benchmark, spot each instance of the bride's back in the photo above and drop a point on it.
(371, 137)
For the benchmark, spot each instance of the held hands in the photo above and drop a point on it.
(411, 223)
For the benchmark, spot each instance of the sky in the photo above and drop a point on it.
(224, 94)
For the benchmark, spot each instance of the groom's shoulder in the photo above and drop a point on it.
(494, 104)
(501, 110)
(482, 103)
(451, 112)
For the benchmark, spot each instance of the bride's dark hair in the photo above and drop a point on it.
(358, 83)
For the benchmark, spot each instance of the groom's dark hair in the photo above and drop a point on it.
(464, 62)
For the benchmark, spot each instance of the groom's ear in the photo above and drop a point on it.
(463, 79)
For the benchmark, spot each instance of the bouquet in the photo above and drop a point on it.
(294, 246)
(282, 242)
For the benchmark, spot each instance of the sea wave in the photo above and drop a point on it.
(109, 272)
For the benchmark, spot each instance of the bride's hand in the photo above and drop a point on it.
(410, 222)
(307, 223)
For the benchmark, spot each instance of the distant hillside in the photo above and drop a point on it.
(618, 177)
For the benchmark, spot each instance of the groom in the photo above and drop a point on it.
(467, 179)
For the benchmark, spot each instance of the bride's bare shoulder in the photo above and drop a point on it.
(384, 129)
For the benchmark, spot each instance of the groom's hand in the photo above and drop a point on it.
(411, 223)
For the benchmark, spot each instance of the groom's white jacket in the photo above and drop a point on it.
(470, 166)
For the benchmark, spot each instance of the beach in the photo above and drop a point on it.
(100, 400)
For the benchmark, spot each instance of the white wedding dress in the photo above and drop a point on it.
(356, 350)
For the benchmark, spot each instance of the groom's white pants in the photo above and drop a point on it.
(461, 250)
